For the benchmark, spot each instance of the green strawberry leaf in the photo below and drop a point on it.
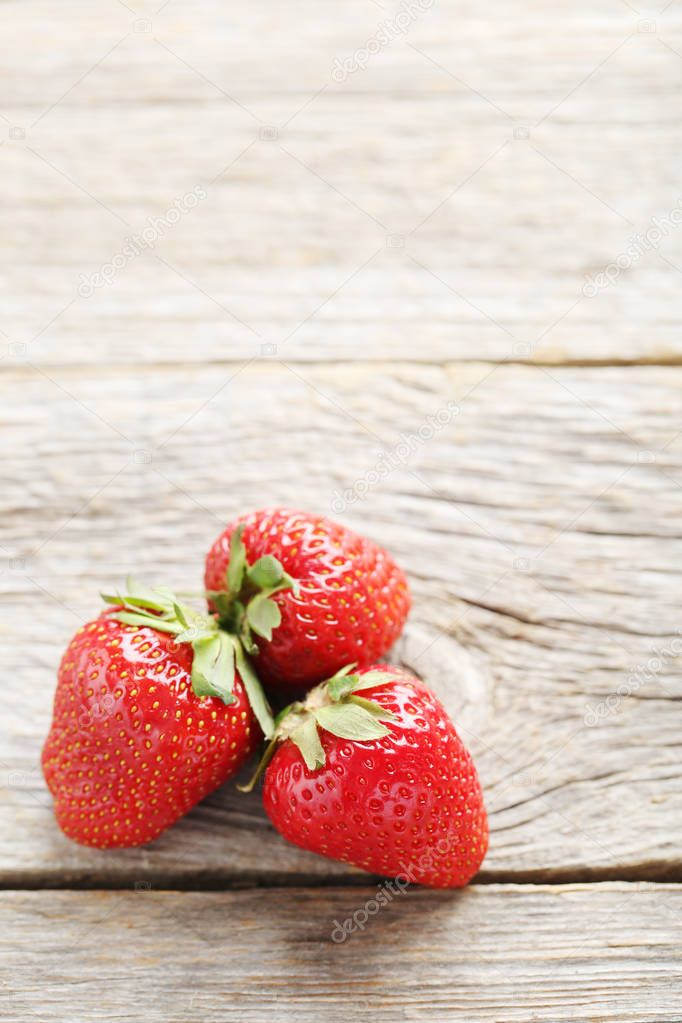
(194, 635)
(236, 568)
(147, 603)
(266, 573)
(213, 668)
(346, 670)
(342, 683)
(285, 712)
(151, 621)
(373, 678)
(135, 603)
(349, 721)
(247, 641)
(254, 690)
(341, 686)
(375, 709)
(148, 595)
(263, 615)
(306, 738)
(222, 602)
(180, 615)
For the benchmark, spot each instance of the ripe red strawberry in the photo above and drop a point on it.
(150, 716)
(349, 603)
(386, 783)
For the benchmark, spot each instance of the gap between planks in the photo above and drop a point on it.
(93, 880)
(98, 368)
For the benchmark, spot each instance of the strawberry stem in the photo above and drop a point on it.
(268, 754)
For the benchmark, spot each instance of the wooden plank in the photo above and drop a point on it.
(392, 237)
(607, 952)
(539, 528)
(446, 202)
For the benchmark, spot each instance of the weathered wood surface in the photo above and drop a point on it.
(608, 953)
(363, 252)
(540, 531)
(446, 202)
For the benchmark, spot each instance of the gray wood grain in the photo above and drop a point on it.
(540, 531)
(606, 952)
(363, 252)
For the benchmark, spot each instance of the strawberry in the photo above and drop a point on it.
(346, 600)
(370, 770)
(150, 715)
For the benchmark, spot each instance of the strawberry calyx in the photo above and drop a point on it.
(245, 607)
(217, 651)
(335, 706)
